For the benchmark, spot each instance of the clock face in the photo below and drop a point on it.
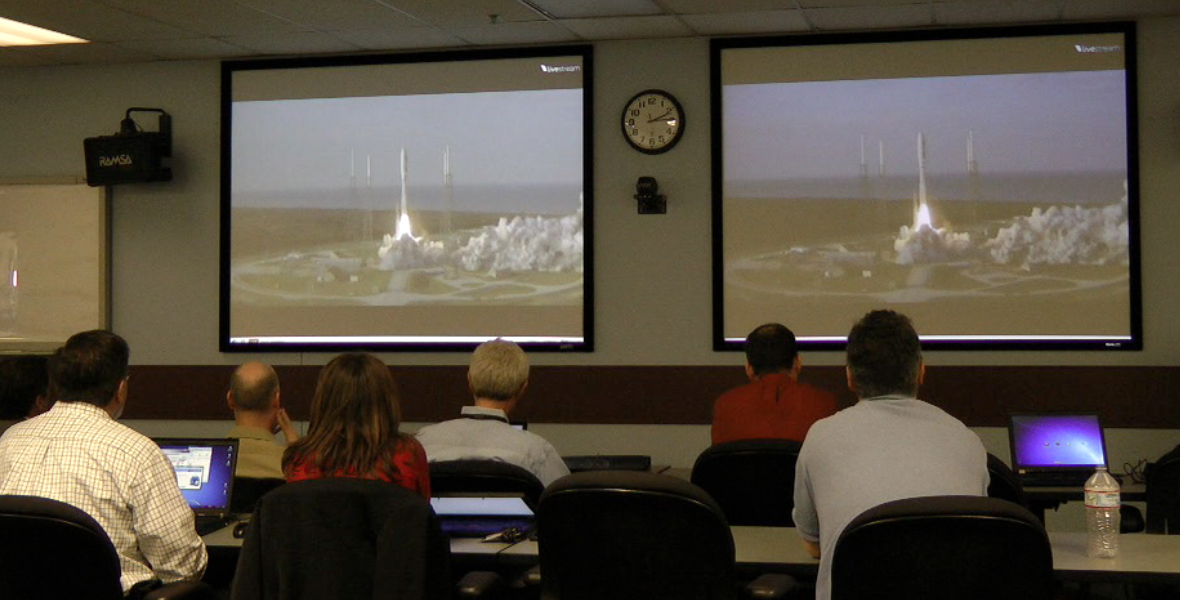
(653, 121)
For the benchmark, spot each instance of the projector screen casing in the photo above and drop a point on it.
(816, 249)
(487, 152)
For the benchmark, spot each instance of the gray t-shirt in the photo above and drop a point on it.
(877, 451)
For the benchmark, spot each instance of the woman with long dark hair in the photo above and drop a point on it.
(355, 415)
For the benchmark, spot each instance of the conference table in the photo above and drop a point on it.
(1142, 558)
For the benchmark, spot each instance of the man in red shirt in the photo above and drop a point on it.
(774, 404)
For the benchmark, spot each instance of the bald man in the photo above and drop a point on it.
(254, 397)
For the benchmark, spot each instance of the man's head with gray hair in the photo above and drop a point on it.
(499, 371)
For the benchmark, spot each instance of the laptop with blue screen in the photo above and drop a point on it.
(204, 470)
(1056, 449)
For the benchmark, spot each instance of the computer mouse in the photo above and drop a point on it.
(240, 529)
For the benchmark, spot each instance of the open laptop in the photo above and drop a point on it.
(205, 473)
(1056, 449)
(481, 516)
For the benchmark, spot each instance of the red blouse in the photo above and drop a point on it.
(409, 469)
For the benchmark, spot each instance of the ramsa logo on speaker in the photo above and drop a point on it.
(120, 160)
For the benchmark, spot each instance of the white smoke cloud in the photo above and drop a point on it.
(1058, 235)
(926, 244)
(406, 252)
(516, 244)
(1063, 235)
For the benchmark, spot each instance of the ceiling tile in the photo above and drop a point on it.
(25, 56)
(581, 9)
(696, 7)
(336, 15)
(541, 32)
(89, 20)
(305, 42)
(618, 28)
(216, 18)
(889, 4)
(408, 38)
(465, 13)
(188, 49)
(1119, 9)
(777, 21)
(877, 17)
(988, 12)
(96, 53)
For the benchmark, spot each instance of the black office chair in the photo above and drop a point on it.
(1163, 494)
(50, 550)
(247, 491)
(752, 480)
(481, 476)
(629, 535)
(1004, 484)
(344, 539)
(938, 547)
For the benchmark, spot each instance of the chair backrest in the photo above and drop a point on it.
(475, 477)
(345, 539)
(247, 491)
(632, 535)
(752, 480)
(937, 547)
(1004, 484)
(1163, 494)
(49, 549)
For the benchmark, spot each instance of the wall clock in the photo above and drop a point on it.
(653, 121)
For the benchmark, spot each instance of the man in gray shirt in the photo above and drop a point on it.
(498, 378)
(888, 446)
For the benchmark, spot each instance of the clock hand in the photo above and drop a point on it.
(661, 117)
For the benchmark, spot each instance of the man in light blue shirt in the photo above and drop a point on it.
(888, 446)
(498, 378)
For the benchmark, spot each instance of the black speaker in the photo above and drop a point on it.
(130, 156)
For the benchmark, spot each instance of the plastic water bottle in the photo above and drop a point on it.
(1102, 514)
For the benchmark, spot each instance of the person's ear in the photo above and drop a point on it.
(921, 372)
(119, 402)
(750, 372)
(848, 376)
(798, 365)
(229, 400)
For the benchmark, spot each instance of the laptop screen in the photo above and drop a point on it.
(1057, 440)
(204, 470)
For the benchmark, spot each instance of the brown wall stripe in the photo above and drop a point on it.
(1130, 397)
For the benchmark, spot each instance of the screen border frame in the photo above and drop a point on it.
(228, 68)
(718, 46)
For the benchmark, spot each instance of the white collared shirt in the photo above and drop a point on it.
(77, 454)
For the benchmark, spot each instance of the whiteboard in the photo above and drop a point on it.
(54, 257)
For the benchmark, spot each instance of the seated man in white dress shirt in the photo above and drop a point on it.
(79, 454)
(498, 378)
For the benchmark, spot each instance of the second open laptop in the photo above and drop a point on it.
(480, 516)
(205, 473)
(1056, 449)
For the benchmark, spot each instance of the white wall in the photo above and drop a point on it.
(653, 286)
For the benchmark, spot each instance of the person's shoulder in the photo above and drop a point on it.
(816, 392)
(435, 427)
(737, 394)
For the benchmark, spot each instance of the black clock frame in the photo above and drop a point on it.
(675, 138)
